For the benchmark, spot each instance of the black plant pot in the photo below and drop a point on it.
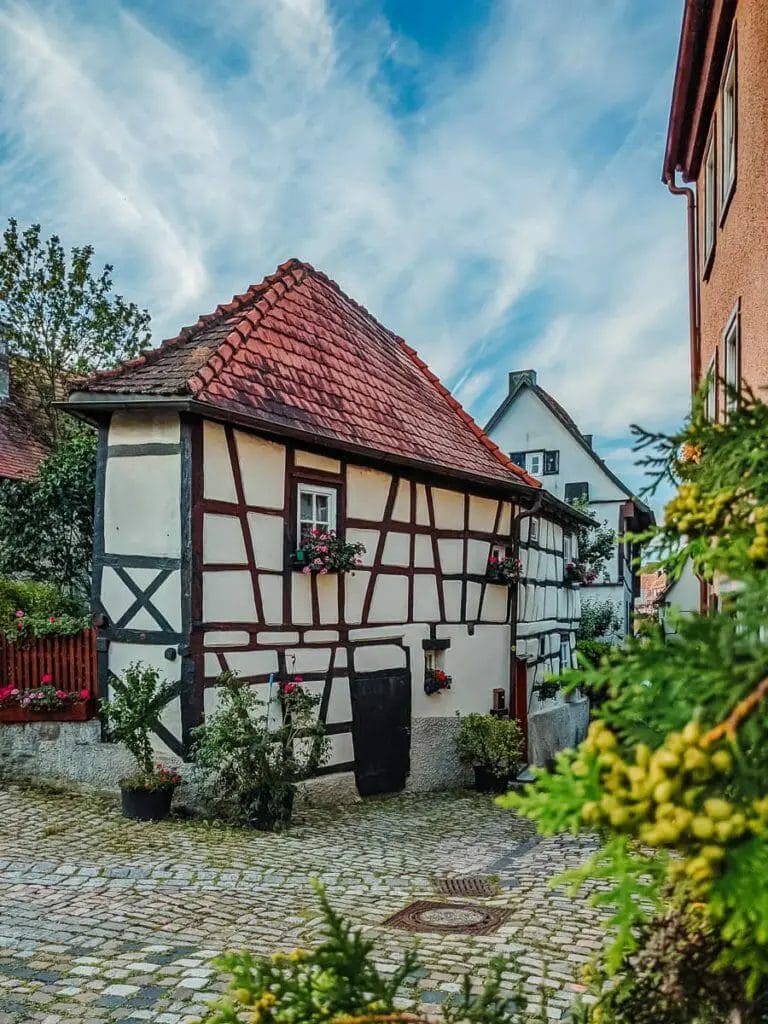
(146, 804)
(487, 782)
(270, 811)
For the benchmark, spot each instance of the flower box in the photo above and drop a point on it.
(80, 711)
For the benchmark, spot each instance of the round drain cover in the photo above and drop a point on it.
(451, 917)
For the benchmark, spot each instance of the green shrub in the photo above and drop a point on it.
(340, 982)
(251, 753)
(133, 712)
(485, 741)
(46, 610)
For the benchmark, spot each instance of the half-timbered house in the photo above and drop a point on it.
(291, 408)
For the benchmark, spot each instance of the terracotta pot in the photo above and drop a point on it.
(487, 782)
(81, 711)
(146, 804)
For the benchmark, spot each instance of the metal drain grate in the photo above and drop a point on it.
(467, 885)
(462, 918)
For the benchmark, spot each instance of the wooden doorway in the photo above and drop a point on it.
(381, 729)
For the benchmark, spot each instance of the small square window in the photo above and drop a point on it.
(729, 129)
(316, 509)
(551, 463)
(577, 491)
(534, 463)
(518, 458)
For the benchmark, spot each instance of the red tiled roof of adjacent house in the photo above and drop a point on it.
(21, 452)
(297, 353)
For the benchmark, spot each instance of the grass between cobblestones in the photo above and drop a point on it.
(105, 920)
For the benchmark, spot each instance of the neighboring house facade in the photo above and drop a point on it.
(289, 408)
(718, 140)
(21, 447)
(538, 435)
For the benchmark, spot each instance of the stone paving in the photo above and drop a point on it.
(105, 920)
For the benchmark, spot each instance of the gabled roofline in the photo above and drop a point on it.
(565, 420)
(94, 406)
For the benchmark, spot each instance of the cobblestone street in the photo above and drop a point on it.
(106, 920)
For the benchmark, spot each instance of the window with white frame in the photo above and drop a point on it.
(315, 509)
(533, 532)
(728, 162)
(732, 356)
(710, 200)
(710, 406)
(567, 548)
(565, 653)
(534, 463)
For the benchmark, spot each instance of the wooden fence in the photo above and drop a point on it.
(69, 660)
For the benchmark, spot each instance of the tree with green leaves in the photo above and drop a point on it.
(59, 317)
(46, 524)
(672, 774)
(597, 543)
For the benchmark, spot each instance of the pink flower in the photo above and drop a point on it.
(298, 679)
(61, 694)
(323, 572)
(84, 695)
(46, 679)
(19, 614)
(51, 618)
(289, 688)
(305, 571)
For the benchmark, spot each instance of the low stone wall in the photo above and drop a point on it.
(434, 761)
(553, 729)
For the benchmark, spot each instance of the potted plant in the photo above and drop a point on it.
(322, 551)
(131, 714)
(251, 753)
(503, 570)
(493, 747)
(574, 574)
(435, 680)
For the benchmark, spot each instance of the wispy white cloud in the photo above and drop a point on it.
(526, 180)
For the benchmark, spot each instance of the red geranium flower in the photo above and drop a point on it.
(46, 679)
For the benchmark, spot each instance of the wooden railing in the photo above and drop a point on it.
(69, 660)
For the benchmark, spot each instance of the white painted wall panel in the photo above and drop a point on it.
(142, 505)
(223, 539)
(311, 460)
(367, 491)
(262, 467)
(397, 549)
(482, 513)
(218, 482)
(267, 534)
(449, 509)
(144, 427)
(402, 507)
(228, 597)
(271, 588)
(390, 599)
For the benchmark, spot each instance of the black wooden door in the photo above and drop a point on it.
(381, 729)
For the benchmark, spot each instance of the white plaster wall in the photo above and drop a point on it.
(144, 428)
(262, 467)
(218, 481)
(142, 505)
(311, 460)
(367, 491)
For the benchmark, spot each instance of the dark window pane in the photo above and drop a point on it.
(574, 491)
(551, 462)
(518, 458)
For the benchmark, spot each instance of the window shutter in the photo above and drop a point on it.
(518, 458)
(551, 463)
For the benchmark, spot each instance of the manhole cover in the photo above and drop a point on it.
(465, 918)
(467, 885)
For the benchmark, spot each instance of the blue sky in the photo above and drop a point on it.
(484, 176)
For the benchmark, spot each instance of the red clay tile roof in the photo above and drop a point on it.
(20, 450)
(296, 352)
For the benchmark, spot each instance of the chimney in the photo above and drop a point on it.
(588, 438)
(517, 377)
(5, 381)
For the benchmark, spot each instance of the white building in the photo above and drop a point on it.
(538, 434)
(289, 408)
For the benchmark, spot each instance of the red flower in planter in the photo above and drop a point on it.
(289, 687)
(85, 695)
(47, 679)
